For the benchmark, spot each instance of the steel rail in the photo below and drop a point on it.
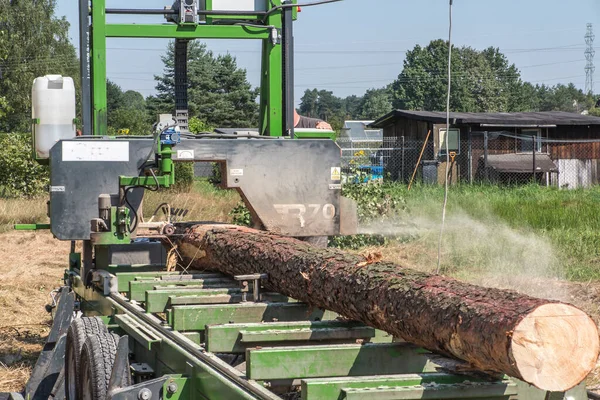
(158, 11)
(192, 349)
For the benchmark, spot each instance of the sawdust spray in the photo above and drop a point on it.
(484, 251)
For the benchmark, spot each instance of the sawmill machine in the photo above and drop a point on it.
(126, 327)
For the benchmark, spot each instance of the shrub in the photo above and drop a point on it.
(20, 174)
(184, 176)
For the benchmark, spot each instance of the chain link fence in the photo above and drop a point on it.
(501, 158)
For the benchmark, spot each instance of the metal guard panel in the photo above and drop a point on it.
(293, 186)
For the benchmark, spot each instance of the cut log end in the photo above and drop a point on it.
(555, 347)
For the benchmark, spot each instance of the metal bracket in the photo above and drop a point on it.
(244, 285)
(105, 281)
(149, 390)
(120, 376)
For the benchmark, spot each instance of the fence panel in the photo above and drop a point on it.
(500, 158)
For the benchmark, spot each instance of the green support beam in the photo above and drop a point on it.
(127, 276)
(158, 300)
(31, 227)
(98, 67)
(117, 269)
(194, 318)
(235, 298)
(137, 289)
(468, 390)
(336, 360)
(143, 336)
(236, 338)
(424, 385)
(274, 78)
(188, 31)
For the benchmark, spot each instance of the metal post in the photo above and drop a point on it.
(485, 156)
(87, 259)
(470, 157)
(181, 84)
(534, 141)
(274, 60)
(98, 40)
(84, 66)
(288, 71)
(403, 154)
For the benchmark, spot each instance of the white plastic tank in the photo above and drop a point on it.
(53, 112)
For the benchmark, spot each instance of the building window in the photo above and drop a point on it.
(526, 145)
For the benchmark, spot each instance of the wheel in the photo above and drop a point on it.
(317, 241)
(96, 363)
(77, 333)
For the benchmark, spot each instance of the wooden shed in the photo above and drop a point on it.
(557, 148)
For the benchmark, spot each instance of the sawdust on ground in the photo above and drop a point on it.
(32, 264)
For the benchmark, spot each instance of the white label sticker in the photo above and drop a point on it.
(336, 174)
(95, 150)
(335, 186)
(57, 188)
(236, 172)
(185, 154)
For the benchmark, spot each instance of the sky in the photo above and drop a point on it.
(354, 45)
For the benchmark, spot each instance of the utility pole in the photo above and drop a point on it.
(589, 56)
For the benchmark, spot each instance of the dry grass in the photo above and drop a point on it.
(31, 265)
(204, 203)
(23, 211)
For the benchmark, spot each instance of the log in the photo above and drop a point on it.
(548, 344)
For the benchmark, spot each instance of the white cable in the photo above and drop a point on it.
(439, 255)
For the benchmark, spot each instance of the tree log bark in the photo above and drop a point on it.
(551, 345)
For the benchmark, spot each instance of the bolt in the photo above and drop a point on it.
(172, 388)
(144, 394)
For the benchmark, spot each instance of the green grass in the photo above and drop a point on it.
(514, 222)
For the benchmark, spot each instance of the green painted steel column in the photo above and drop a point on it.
(98, 50)
(263, 118)
(274, 56)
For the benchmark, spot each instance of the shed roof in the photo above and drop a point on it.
(358, 130)
(521, 163)
(491, 119)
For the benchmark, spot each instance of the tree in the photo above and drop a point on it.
(309, 103)
(114, 97)
(129, 121)
(218, 91)
(482, 81)
(33, 42)
(135, 100)
(352, 106)
(375, 103)
(564, 98)
(126, 111)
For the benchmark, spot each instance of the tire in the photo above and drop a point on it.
(77, 333)
(317, 241)
(97, 359)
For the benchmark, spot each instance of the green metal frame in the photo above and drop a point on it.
(271, 99)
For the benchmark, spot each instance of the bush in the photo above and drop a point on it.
(20, 174)
(184, 176)
(241, 215)
(375, 204)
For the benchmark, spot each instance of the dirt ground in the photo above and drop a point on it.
(32, 264)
